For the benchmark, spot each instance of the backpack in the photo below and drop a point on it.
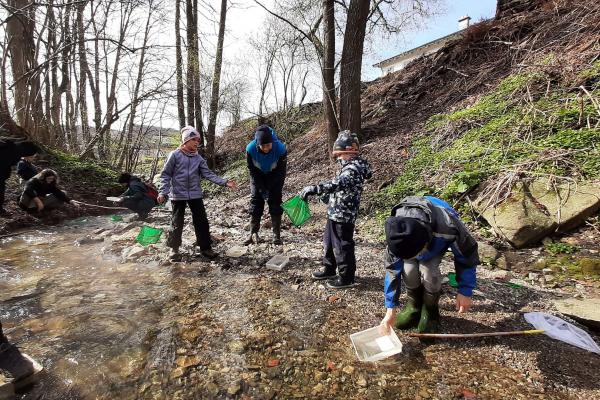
(151, 191)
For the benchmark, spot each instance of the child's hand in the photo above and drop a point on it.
(231, 184)
(463, 303)
(309, 191)
(388, 321)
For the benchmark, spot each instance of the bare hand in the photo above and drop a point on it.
(161, 199)
(231, 184)
(463, 303)
(388, 321)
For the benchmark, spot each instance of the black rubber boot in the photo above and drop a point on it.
(430, 315)
(409, 316)
(276, 220)
(254, 228)
(13, 363)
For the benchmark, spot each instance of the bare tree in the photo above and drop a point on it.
(216, 82)
(179, 66)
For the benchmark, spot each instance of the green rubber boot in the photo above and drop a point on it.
(408, 317)
(430, 314)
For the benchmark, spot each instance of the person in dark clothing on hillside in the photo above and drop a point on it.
(418, 233)
(343, 196)
(26, 169)
(266, 157)
(136, 197)
(43, 193)
(11, 151)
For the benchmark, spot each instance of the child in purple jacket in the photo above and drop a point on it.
(180, 181)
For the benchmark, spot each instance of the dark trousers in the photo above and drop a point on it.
(338, 243)
(3, 338)
(141, 207)
(257, 201)
(199, 220)
(2, 191)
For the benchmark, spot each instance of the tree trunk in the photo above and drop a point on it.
(128, 151)
(352, 52)
(179, 66)
(214, 99)
(197, 90)
(329, 100)
(20, 29)
(189, 11)
(83, 71)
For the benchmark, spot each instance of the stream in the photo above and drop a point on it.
(85, 316)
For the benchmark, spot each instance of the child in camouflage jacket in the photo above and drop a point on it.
(343, 197)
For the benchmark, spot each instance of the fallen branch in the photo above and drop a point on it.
(97, 206)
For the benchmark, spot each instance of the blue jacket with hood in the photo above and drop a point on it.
(448, 233)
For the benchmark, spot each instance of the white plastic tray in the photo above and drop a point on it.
(371, 345)
(278, 262)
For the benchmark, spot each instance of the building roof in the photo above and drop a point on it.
(391, 60)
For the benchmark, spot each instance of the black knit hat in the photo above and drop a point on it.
(263, 135)
(26, 148)
(124, 178)
(406, 237)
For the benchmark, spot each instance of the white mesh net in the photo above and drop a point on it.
(561, 330)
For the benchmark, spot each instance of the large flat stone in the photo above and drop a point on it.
(585, 311)
(535, 210)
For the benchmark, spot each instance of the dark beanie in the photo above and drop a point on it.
(263, 135)
(405, 237)
(26, 148)
(124, 178)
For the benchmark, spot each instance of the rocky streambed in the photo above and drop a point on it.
(109, 318)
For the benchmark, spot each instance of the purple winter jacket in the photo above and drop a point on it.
(181, 176)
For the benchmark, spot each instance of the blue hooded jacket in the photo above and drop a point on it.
(266, 162)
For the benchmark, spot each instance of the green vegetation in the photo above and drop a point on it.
(567, 267)
(87, 173)
(237, 171)
(555, 248)
(527, 123)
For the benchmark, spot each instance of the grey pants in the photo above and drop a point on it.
(426, 271)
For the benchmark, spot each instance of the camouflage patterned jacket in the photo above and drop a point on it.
(343, 193)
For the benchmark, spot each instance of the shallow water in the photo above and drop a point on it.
(85, 316)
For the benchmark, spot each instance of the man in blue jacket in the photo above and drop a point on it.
(266, 157)
(180, 180)
(419, 232)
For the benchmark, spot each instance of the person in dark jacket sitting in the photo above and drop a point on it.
(11, 151)
(43, 193)
(136, 196)
(26, 169)
(418, 233)
(266, 157)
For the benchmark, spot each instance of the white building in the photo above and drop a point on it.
(401, 60)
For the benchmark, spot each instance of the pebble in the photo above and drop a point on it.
(348, 369)
(234, 388)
